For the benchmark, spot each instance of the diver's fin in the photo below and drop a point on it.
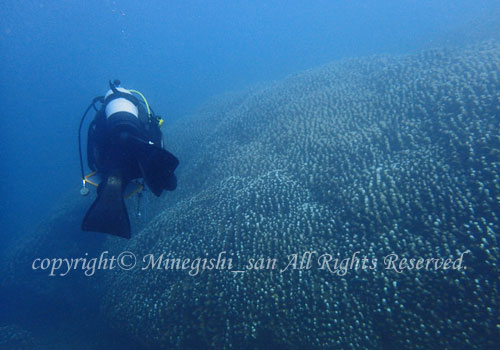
(157, 166)
(108, 213)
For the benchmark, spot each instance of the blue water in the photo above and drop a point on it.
(55, 56)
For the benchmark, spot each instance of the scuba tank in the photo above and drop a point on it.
(121, 111)
(118, 104)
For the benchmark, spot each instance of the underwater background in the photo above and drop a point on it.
(329, 126)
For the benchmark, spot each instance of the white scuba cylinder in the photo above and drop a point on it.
(120, 104)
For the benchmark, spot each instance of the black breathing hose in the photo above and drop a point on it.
(92, 104)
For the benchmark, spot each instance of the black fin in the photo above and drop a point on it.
(108, 213)
(157, 166)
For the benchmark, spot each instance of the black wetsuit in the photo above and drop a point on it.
(125, 144)
(122, 148)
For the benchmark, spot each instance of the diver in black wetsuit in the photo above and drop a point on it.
(124, 143)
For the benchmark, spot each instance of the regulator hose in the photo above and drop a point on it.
(92, 104)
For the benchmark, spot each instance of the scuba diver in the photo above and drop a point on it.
(124, 143)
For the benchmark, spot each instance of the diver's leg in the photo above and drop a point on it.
(108, 213)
